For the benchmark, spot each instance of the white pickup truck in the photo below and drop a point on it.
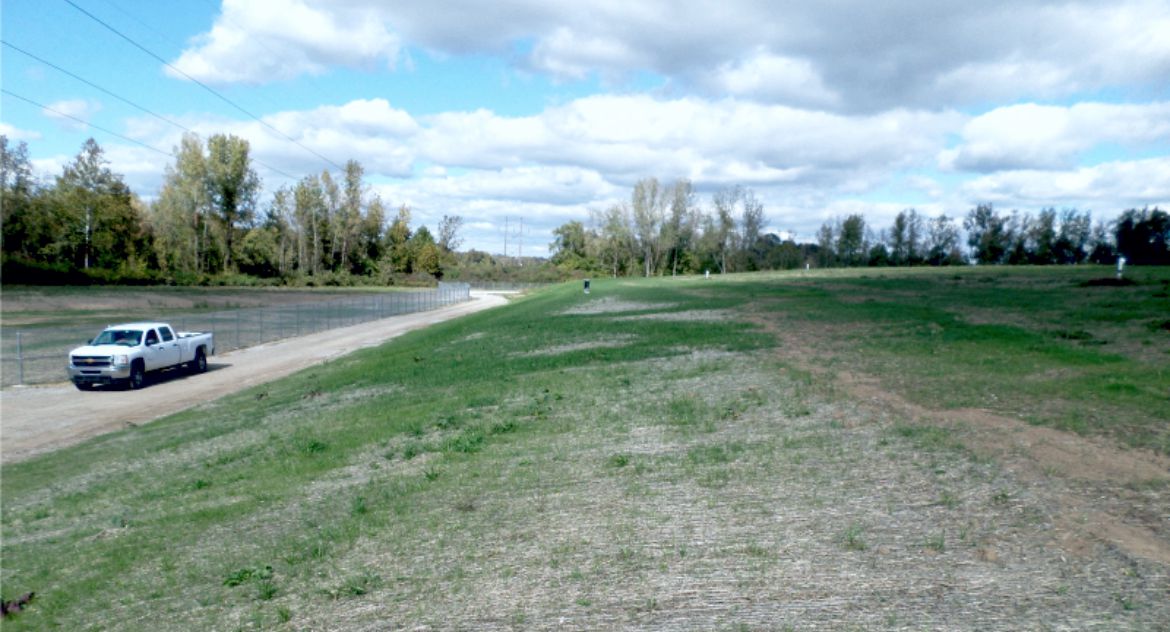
(124, 354)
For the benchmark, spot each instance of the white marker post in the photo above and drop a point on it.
(1120, 266)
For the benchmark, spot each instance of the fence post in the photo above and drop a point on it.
(237, 329)
(19, 360)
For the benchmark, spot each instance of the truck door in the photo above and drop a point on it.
(157, 353)
(170, 342)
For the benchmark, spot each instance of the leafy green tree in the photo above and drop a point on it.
(425, 253)
(906, 239)
(185, 241)
(942, 242)
(371, 246)
(233, 187)
(1101, 247)
(1073, 238)
(1042, 234)
(851, 246)
(310, 212)
(722, 228)
(648, 203)
(398, 241)
(1143, 237)
(570, 247)
(102, 225)
(826, 245)
(751, 229)
(678, 232)
(987, 234)
(25, 228)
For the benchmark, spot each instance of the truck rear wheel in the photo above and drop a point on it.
(199, 364)
(137, 376)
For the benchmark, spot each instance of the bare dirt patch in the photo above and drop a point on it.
(690, 315)
(1100, 493)
(610, 343)
(611, 305)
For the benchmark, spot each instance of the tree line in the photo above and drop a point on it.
(208, 225)
(662, 229)
(85, 225)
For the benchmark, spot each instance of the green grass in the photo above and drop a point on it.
(465, 464)
(1031, 343)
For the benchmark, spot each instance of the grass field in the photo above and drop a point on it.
(776, 451)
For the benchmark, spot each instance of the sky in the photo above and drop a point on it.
(521, 115)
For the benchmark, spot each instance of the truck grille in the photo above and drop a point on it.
(91, 361)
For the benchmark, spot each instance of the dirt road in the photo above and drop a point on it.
(39, 419)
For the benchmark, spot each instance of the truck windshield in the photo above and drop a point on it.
(127, 337)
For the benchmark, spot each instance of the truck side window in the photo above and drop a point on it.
(166, 334)
(151, 338)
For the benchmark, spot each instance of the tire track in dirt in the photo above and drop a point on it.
(34, 420)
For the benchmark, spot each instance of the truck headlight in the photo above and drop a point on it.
(121, 360)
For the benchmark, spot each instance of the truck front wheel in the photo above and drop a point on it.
(137, 376)
(83, 386)
(199, 364)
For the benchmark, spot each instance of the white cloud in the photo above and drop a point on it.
(260, 42)
(1054, 137)
(1132, 183)
(855, 56)
(72, 113)
(773, 79)
(15, 134)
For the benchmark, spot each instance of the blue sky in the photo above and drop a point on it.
(542, 110)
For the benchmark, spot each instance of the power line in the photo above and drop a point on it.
(83, 122)
(201, 84)
(92, 84)
(124, 100)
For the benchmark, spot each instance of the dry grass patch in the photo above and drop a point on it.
(690, 315)
(611, 342)
(612, 305)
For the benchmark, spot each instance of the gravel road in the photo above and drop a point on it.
(43, 418)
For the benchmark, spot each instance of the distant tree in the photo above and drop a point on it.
(449, 227)
(648, 203)
(1101, 246)
(1073, 238)
(826, 245)
(1042, 233)
(25, 228)
(371, 246)
(677, 239)
(570, 247)
(1017, 236)
(942, 242)
(851, 246)
(233, 187)
(906, 237)
(398, 241)
(103, 227)
(309, 211)
(722, 231)
(751, 229)
(987, 234)
(425, 253)
(1143, 237)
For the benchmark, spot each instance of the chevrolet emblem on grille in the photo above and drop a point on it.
(89, 360)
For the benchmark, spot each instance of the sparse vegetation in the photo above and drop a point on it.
(715, 474)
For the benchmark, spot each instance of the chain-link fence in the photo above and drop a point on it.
(37, 356)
